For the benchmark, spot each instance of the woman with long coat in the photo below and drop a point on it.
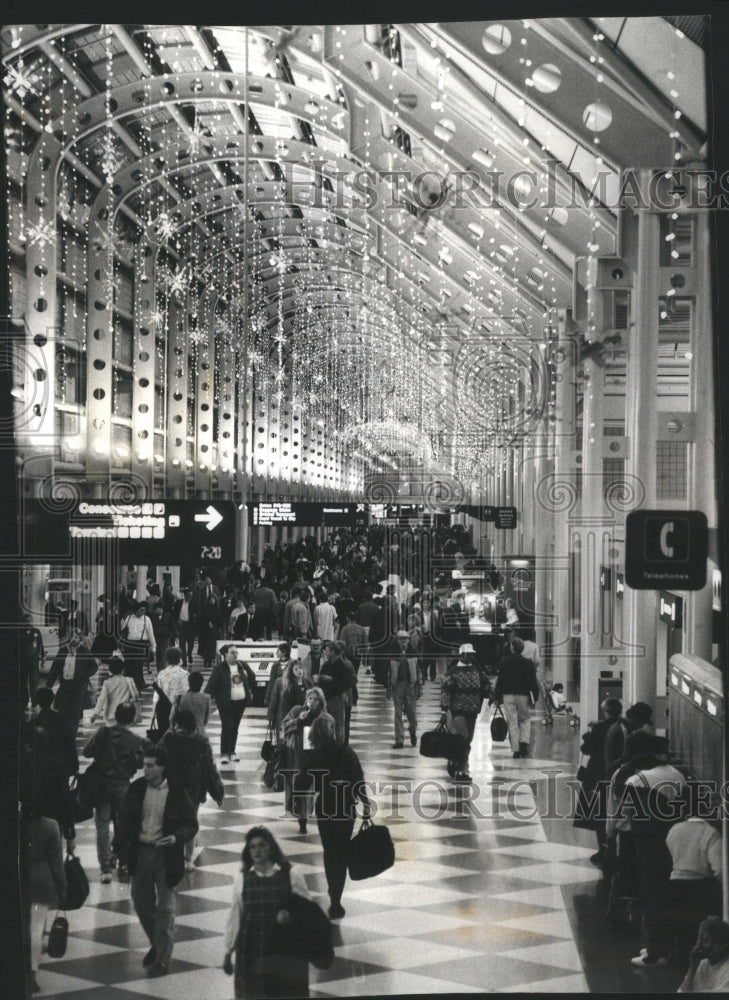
(261, 894)
(296, 729)
(209, 625)
(339, 785)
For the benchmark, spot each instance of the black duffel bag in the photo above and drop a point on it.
(370, 852)
(499, 726)
(77, 884)
(440, 742)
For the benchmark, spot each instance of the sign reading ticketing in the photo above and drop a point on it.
(162, 532)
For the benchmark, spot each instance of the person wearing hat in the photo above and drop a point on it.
(461, 697)
(138, 643)
(404, 688)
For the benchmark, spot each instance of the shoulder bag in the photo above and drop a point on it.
(439, 742)
(77, 884)
(267, 747)
(370, 852)
(57, 937)
(136, 702)
(499, 726)
(154, 733)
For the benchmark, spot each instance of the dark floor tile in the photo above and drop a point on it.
(111, 968)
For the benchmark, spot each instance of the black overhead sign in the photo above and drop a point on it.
(158, 532)
(505, 517)
(666, 548)
(301, 513)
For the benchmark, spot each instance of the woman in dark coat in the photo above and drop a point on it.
(338, 781)
(591, 805)
(261, 893)
(209, 625)
(295, 732)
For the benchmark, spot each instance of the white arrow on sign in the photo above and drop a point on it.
(213, 518)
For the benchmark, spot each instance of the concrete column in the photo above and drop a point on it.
(702, 449)
(144, 399)
(204, 394)
(640, 612)
(541, 538)
(141, 583)
(35, 427)
(177, 376)
(225, 363)
(558, 499)
(590, 528)
(99, 342)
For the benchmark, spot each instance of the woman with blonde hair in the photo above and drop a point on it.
(296, 730)
(289, 690)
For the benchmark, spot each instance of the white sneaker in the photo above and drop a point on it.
(189, 866)
(225, 760)
(106, 878)
(644, 962)
(235, 759)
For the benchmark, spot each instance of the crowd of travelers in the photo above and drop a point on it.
(360, 602)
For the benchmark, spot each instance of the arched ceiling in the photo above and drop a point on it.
(398, 208)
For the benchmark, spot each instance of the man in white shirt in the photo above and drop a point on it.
(185, 615)
(694, 889)
(231, 684)
(155, 822)
(138, 643)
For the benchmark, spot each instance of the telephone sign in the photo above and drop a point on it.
(666, 548)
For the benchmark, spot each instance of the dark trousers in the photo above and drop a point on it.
(136, 655)
(688, 902)
(335, 836)
(428, 666)
(186, 633)
(154, 901)
(230, 716)
(653, 862)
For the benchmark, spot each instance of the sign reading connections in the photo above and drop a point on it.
(301, 513)
(162, 532)
(666, 548)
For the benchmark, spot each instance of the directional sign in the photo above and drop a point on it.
(157, 532)
(305, 513)
(212, 517)
(506, 517)
(666, 549)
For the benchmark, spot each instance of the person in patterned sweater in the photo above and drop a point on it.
(461, 697)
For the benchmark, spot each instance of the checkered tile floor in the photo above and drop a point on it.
(478, 899)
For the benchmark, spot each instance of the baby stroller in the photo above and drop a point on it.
(559, 707)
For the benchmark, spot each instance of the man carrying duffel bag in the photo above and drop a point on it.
(461, 697)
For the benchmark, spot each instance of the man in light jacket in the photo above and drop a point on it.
(403, 686)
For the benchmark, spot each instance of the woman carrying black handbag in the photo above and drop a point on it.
(339, 781)
(461, 697)
(43, 881)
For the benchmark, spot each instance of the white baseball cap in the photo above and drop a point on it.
(465, 648)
